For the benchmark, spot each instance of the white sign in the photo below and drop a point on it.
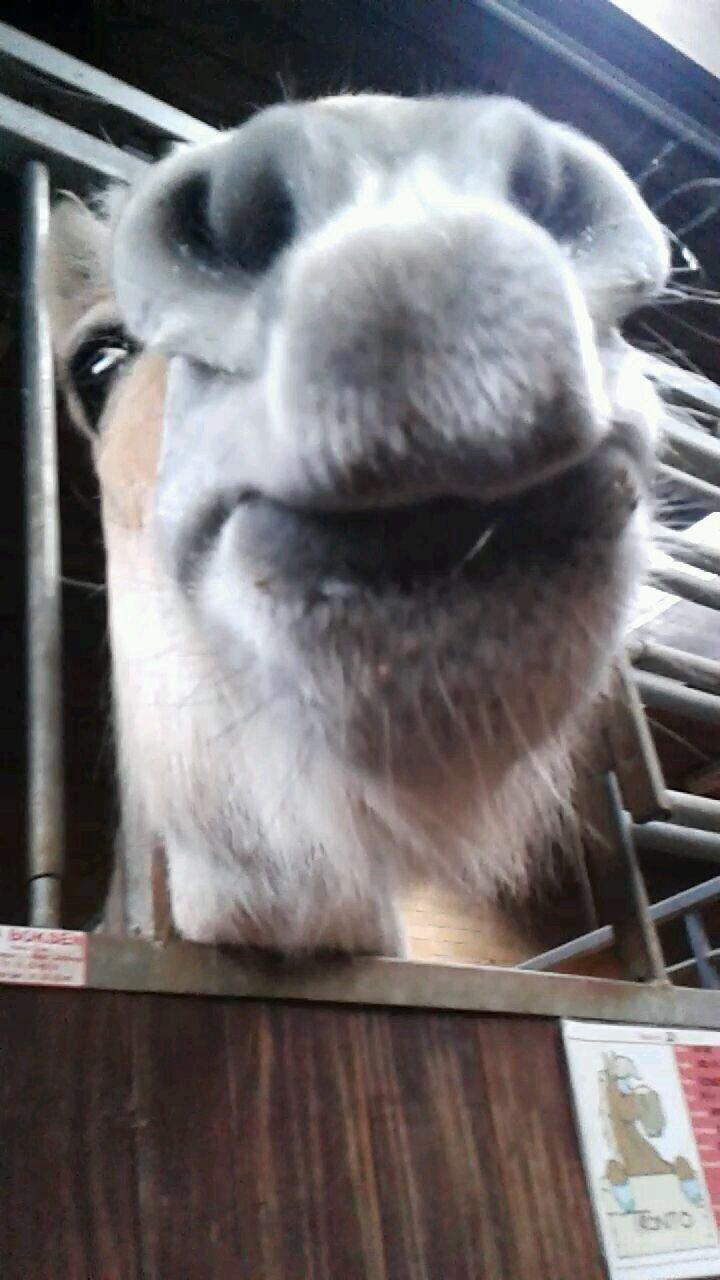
(42, 957)
(647, 1102)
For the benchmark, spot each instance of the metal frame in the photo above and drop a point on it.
(628, 773)
(675, 664)
(599, 940)
(44, 642)
(685, 480)
(703, 953)
(72, 155)
(666, 694)
(42, 58)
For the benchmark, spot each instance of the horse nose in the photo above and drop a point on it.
(213, 223)
(238, 214)
(452, 353)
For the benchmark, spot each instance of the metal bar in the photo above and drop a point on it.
(694, 811)
(634, 754)
(45, 901)
(683, 842)
(586, 944)
(181, 968)
(609, 860)
(683, 387)
(26, 133)
(141, 106)
(667, 695)
(601, 939)
(603, 856)
(692, 448)
(676, 664)
(44, 644)
(700, 944)
(708, 491)
(681, 583)
(698, 554)
(640, 948)
(681, 966)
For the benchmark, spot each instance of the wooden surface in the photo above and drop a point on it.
(174, 1139)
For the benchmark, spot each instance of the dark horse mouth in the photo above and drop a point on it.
(407, 548)
(412, 547)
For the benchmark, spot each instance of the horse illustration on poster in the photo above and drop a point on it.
(647, 1102)
(632, 1113)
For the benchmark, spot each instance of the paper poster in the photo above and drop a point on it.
(647, 1102)
(42, 957)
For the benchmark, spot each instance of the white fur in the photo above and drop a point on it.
(234, 729)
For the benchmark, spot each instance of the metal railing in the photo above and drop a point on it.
(685, 825)
(42, 147)
(42, 541)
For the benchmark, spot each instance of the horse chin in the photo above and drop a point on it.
(462, 672)
(421, 696)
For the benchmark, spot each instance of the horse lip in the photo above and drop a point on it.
(354, 522)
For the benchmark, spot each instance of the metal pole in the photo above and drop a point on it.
(74, 154)
(682, 966)
(600, 939)
(141, 107)
(702, 487)
(692, 448)
(634, 754)
(688, 810)
(679, 582)
(44, 644)
(684, 388)
(698, 554)
(666, 695)
(676, 664)
(701, 949)
(637, 937)
(683, 842)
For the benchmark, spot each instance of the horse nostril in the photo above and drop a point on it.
(252, 215)
(189, 227)
(554, 190)
(530, 186)
(237, 219)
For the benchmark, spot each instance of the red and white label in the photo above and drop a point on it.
(42, 957)
(699, 1067)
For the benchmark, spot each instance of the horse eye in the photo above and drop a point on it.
(94, 367)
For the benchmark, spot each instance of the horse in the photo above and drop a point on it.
(375, 465)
